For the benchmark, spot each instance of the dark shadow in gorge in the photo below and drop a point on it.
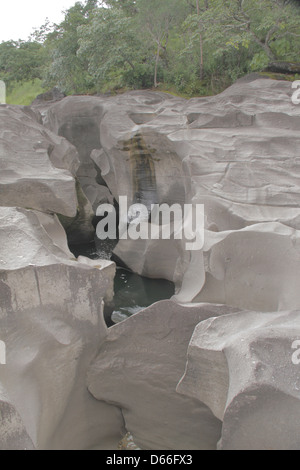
(132, 292)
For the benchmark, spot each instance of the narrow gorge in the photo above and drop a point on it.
(183, 349)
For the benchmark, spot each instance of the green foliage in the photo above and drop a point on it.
(259, 62)
(139, 77)
(109, 46)
(21, 61)
(24, 93)
(193, 47)
(67, 69)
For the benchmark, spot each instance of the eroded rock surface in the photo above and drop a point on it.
(37, 167)
(51, 323)
(244, 367)
(236, 153)
(138, 369)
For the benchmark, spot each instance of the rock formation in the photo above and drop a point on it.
(38, 170)
(142, 381)
(241, 366)
(51, 323)
(213, 367)
(236, 153)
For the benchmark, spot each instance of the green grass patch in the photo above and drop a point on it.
(24, 93)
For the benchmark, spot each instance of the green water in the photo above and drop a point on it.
(132, 292)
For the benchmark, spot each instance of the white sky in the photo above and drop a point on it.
(18, 18)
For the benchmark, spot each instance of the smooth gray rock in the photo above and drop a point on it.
(78, 120)
(236, 153)
(51, 321)
(244, 367)
(80, 228)
(138, 369)
(38, 170)
(36, 166)
(254, 268)
(50, 96)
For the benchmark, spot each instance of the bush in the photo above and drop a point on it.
(140, 77)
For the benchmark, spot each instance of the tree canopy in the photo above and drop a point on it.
(190, 46)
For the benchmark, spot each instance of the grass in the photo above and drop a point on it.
(24, 93)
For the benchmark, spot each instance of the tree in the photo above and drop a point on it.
(157, 18)
(238, 35)
(194, 46)
(129, 7)
(243, 22)
(112, 46)
(67, 69)
(201, 34)
(21, 61)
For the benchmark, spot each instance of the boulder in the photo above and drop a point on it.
(51, 312)
(138, 368)
(252, 268)
(245, 368)
(50, 96)
(236, 153)
(38, 170)
(37, 166)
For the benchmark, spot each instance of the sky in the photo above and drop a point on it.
(18, 18)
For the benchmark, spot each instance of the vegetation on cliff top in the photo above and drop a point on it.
(189, 47)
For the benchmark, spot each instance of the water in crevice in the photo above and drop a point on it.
(132, 292)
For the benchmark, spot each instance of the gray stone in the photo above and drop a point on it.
(236, 153)
(13, 435)
(37, 167)
(253, 268)
(78, 120)
(138, 369)
(245, 368)
(51, 314)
